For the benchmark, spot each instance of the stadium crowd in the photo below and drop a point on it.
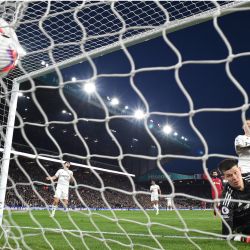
(27, 187)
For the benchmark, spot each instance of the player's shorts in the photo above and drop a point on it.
(62, 193)
(169, 203)
(154, 197)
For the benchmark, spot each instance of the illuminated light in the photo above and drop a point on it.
(182, 137)
(167, 129)
(73, 79)
(185, 139)
(150, 125)
(89, 87)
(64, 111)
(43, 62)
(175, 133)
(114, 101)
(27, 97)
(151, 120)
(47, 65)
(126, 107)
(20, 94)
(139, 114)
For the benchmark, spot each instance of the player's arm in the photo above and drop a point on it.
(159, 190)
(52, 178)
(72, 178)
(221, 185)
(227, 215)
(241, 142)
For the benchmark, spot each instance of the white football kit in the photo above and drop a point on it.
(169, 201)
(242, 148)
(62, 188)
(154, 192)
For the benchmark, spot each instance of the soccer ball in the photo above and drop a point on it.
(10, 49)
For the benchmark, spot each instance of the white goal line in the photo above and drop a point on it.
(114, 233)
(32, 156)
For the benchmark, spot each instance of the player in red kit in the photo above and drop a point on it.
(218, 186)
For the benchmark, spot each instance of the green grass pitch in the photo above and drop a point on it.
(106, 230)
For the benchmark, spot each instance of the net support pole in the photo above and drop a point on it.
(7, 146)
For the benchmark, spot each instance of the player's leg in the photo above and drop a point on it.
(153, 201)
(56, 201)
(65, 198)
(157, 207)
(65, 204)
(215, 204)
(54, 206)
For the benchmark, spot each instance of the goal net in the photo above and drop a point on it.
(126, 91)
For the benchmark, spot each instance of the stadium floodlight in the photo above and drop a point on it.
(89, 87)
(126, 107)
(139, 114)
(73, 79)
(175, 134)
(114, 101)
(64, 111)
(167, 129)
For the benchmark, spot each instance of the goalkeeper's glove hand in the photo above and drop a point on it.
(241, 238)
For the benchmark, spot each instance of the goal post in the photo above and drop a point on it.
(8, 146)
(61, 35)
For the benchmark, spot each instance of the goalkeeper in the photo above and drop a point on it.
(235, 207)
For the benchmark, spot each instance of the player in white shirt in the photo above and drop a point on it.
(155, 191)
(169, 203)
(242, 148)
(62, 189)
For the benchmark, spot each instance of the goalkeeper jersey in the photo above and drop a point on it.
(235, 213)
(242, 148)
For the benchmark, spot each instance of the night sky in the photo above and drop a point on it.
(207, 84)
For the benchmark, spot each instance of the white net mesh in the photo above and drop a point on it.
(68, 46)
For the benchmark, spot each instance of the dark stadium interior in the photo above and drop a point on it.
(86, 139)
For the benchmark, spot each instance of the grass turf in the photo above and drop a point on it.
(114, 229)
